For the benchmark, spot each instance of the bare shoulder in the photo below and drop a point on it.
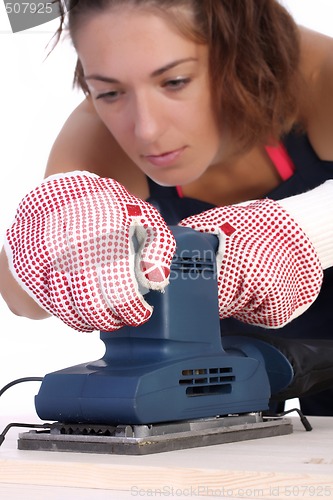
(84, 143)
(317, 67)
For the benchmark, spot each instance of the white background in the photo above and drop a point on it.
(36, 97)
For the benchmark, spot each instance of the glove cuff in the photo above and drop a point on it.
(313, 213)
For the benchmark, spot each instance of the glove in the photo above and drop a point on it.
(268, 270)
(71, 247)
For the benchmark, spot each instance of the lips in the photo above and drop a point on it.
(165, 159)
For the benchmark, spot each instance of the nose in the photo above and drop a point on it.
(147, 117)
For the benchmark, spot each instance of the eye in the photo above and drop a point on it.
(110, 96)
(176, 83)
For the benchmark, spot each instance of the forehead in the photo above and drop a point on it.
(118, 36)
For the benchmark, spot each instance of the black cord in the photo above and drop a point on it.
(306, 424)
(19, 381)
(304, 420)
(31, 426)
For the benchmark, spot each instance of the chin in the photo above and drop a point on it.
(172, 179)
(164, 183)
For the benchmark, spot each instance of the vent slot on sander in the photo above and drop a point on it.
(207, 381)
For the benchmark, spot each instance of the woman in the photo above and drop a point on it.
(190, 105)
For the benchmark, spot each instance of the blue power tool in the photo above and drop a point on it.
(171, 372)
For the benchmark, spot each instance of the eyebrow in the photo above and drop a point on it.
(157, 72)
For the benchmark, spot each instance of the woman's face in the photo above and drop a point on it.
(150, 86)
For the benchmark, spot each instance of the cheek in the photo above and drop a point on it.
(207, 131)
(203, 115)
(116, 124)
(194, 122)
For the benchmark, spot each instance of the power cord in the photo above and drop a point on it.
(19, 381)
(31, 426)
(306, 424)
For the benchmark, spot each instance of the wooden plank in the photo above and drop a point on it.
(295, 466)
(32, 492)
(172, 481)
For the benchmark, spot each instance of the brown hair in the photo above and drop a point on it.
(254, 58)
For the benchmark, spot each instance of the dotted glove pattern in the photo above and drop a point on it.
(268, 270)
(84, 248)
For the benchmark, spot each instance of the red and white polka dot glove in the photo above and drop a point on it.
(71, 247)
(269, 271)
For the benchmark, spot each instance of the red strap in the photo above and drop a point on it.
(282, 161)
(180, 191)
(280, 158)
